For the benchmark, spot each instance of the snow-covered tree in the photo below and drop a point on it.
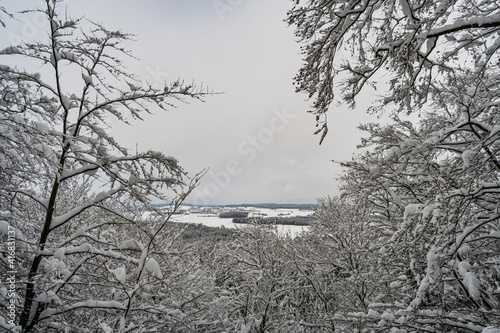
(258, 286)
(408, 49)
(75, 196)
(435, 204)
(338, 259)
(433, 183)
(420, 245)
(433, 192)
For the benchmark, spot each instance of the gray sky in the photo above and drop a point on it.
(257, 138)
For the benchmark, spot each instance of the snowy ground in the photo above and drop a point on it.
(209, 216)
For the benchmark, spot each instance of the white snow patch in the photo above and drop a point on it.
(412, 209)
(153, 268)
(463, 268)
(406, 8)
(4, 227)
(491, 329)
(245, 328)
(120, 274)
(132, 180)
(432, 140)
(105, 328)
(430, 44)
(436, 213)
(48, 297)
(398, 330)
(472, 284)
(42, 127)
(80, 232)
(494, 234)
(66, 102)
(494, 131)
(395, 284)
(393, 152)
(130, 244)
(373, 314)
(59, 254)
(428, 210)
(91, 172)
(101, 196)
(467, 158)
(388, 316)
(11, 50)
(464, 249)
(375, 170)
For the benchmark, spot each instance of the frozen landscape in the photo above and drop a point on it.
(405, 233)
(209, 216)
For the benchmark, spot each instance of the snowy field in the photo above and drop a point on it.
(209, 216)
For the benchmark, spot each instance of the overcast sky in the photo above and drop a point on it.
(256, 138)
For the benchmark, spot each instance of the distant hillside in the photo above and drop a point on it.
(266, 205)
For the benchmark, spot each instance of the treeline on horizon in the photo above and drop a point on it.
(263, 205)
(284, 220)
(233, 214)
